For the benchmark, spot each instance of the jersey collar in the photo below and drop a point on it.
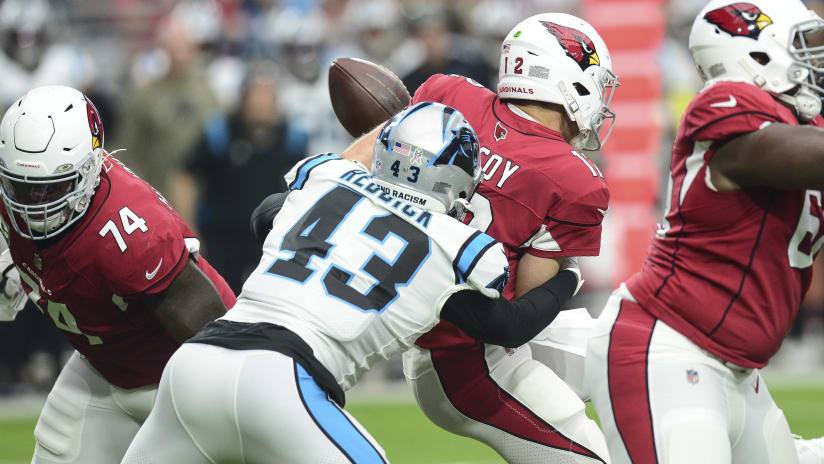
(516, 119)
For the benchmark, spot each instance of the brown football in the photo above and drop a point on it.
(364, 94)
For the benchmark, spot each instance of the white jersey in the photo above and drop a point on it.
(358, 274)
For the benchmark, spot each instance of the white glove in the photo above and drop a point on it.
(12, 295)
(571, 264)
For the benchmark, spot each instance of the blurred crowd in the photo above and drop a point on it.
(211, 101)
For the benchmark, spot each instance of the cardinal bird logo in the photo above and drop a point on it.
(577, 45)
(500, 132)
(739, 19)
(95, 125)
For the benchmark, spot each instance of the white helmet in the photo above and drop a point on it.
(428, 154)
(558, 58)
(762, 42)
(51, 151)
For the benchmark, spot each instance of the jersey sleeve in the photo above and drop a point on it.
(446, 89)
(143, 245)
(568, 214)
(481, 263)
(728, 109)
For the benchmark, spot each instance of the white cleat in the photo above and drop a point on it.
(810, 451)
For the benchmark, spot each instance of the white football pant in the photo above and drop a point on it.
(662, 399)
(86, 419)
(216, 405)
(511, 402)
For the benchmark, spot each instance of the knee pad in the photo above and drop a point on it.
(60, 425)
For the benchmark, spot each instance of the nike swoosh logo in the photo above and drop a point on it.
(731, 103)
(150, 275)
(602, 211)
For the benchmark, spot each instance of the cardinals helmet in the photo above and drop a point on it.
(51, 151)
(428, 154)
(765, 43)
(558, 58)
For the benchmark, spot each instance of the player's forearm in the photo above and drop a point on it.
(534, 271)
(510, 323)
(361, 149)
(779, 156)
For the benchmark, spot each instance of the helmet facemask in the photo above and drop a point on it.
(808, 66)
(591, 126)
(44, 206)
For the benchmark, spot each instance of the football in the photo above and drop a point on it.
(364, 94)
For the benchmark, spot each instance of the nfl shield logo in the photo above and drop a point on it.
(38, 263)
(692, 376)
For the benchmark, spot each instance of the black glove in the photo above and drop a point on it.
(264, 215)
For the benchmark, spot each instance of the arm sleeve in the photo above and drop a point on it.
(509, 323)
(264, 215)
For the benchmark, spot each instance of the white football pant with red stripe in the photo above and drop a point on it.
(663, 400)
(507, 400)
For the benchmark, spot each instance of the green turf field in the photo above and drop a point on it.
(409, 438)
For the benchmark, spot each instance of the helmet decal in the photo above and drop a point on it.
(95, 124)
(739, 19)
(577, 45)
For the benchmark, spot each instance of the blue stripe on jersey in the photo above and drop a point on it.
(334, 423)
(312, 163)
(470, 253)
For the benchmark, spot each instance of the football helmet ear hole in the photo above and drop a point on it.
(582, 91)
(760, 57)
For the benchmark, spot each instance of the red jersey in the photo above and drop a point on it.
(91, 280)
(729, 269)
(538, 194)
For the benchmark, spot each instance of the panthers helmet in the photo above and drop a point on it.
(429, 155)
(51, 152)
(559, 58)
(765, 43)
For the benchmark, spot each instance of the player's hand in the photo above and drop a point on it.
(571, 264)
(12, 295)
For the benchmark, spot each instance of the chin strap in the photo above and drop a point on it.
(459, 209)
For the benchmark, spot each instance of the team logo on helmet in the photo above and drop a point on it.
(577, 45)
(739, 19)
(95, 125)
